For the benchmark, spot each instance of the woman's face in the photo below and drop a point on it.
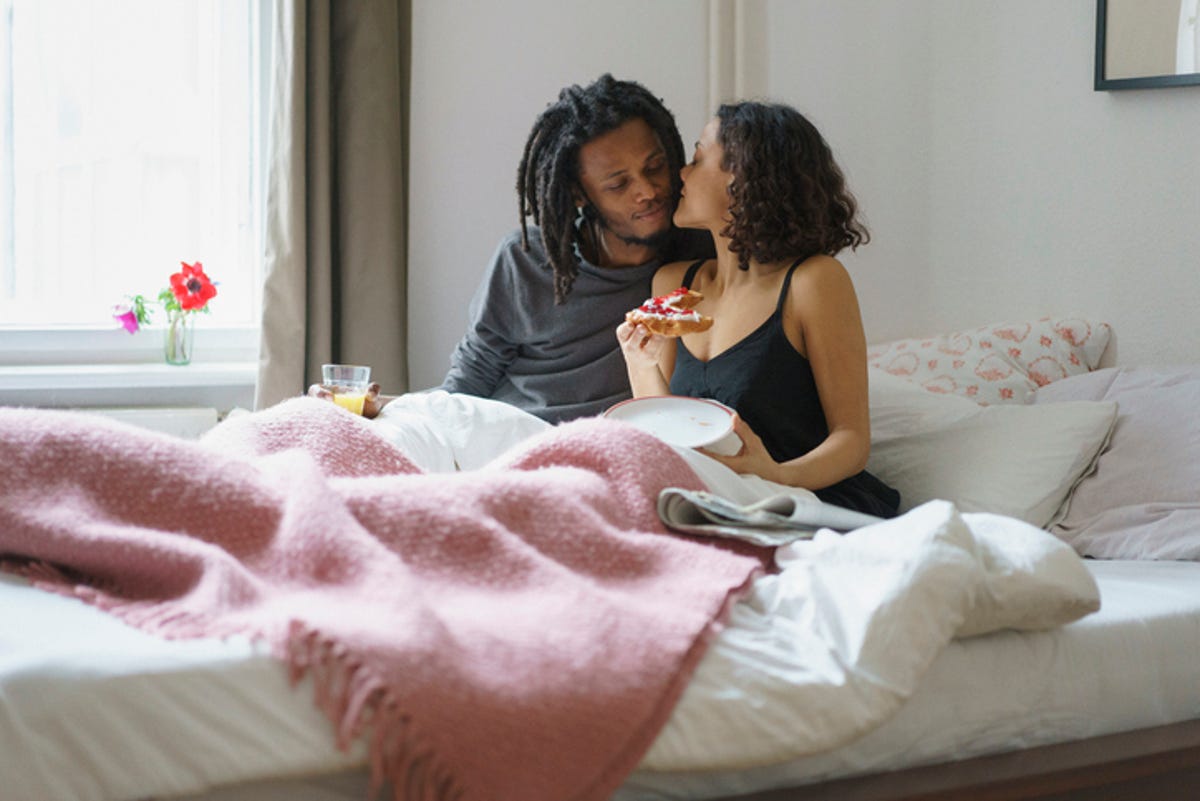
(704, 201)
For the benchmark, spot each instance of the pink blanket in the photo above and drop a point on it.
(518, 632)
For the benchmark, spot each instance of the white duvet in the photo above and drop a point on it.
(834, 644)
(815, 656)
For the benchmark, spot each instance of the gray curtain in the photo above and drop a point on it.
(335, 239)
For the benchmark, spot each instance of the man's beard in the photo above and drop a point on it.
(656, 241)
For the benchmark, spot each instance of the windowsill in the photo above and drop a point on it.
(90, 367)
(220, 385)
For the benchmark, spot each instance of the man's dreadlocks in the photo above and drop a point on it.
(549, 169)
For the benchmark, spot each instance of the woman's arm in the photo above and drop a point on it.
(644, 353)
(650, 359)
(823, 322)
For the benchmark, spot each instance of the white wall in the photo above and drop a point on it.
(997, 184)
(1000, 186)
(482, 71)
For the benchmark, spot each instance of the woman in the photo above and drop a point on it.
(786, 349)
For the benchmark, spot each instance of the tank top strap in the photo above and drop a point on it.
(787, 282)
(690, 275)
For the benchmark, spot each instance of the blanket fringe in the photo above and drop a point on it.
(357, 701)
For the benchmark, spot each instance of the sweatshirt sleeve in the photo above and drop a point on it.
(482, 357)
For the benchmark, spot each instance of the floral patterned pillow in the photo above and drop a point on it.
(996, 363)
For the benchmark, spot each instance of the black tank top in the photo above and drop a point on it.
(773, 389)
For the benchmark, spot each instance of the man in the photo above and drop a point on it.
(600, 179)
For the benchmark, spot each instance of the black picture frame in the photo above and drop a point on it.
(1104, 84)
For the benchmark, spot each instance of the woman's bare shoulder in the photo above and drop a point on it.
(820, 273)
(820, 267)
(821, 286)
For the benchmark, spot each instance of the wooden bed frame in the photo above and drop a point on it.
(1161, 763)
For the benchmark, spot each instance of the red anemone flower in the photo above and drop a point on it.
(191, 287)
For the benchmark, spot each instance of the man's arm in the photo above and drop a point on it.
(479, 362)
(488, 348)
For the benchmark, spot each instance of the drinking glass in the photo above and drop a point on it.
(348, 383)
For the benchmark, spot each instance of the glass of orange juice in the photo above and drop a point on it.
(348, 383)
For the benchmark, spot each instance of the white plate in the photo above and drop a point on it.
(686, 422)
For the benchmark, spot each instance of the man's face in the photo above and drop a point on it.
(625, 175)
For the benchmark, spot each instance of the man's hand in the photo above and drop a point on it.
(373, 404)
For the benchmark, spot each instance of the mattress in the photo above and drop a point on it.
(93, 709)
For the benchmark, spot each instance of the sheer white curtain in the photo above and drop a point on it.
(335, 227)
(1187, 51)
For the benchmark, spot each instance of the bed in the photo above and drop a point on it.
(1043, 700)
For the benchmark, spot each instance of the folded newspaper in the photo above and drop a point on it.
(777, 520)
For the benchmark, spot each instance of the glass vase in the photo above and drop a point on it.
(177, 345)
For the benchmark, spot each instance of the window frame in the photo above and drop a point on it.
(90, 365)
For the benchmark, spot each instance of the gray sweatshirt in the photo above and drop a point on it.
(557, 362)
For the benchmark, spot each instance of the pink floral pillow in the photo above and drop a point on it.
(996, 363)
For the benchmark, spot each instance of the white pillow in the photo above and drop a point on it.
(1143, 500)
(1020, 461)
(899, 406)
(1032, 583)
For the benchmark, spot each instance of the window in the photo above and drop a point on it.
(131, 139)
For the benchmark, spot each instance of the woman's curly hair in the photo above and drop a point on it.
(788, 198)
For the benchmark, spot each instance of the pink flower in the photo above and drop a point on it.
(126, 317)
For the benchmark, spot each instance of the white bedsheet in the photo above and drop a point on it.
(91, 709)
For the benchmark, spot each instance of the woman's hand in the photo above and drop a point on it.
(373, 404)
(643, 354)
(642, 350)
(752, 458)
